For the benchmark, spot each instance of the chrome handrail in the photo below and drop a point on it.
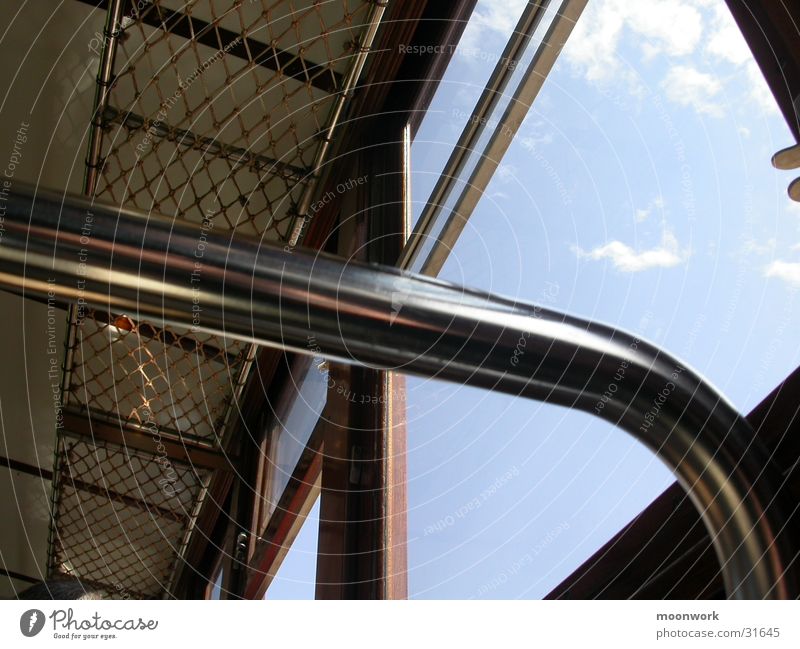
(151, 267)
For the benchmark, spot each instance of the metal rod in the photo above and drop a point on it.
(383, 317)
(102, 491)
(490, 157)
(94, 159)
(98, 427)
(503, 71)
(208, 145)
(246, 48)
(407, 196)
(363, 49)
(105, 79)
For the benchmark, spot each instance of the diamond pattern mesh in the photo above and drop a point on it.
(182, 380)
(121, 516)
(214, 115)
(227, 124)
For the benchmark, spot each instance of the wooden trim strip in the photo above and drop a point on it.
(302, 490)
(87, 426)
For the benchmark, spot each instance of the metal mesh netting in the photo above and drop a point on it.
(121, 516)
(184, 380)
(224, 124)
(214, 115)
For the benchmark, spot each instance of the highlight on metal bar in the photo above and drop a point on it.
(384, 317)
(441, 221)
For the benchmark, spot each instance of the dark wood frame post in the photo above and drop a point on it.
(363, 528)
(770, 29)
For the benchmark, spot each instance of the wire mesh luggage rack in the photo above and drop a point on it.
(218, 114)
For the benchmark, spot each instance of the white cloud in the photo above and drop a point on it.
(688, 86)
(726, 43)
(754, 247)
(650, 51)
(759, 92)
(674, 29)
(592, 47)
(628, 260)
(499, 196)
(506, 172)
(726, 40)
(788, 271)
(642, 214)
(535, 141)
(669, 27)
(491, 17)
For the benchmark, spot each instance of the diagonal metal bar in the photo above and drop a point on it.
(385, 318)
(69, 480)
(210, 146)
(491, 95)
(105, 77)
(319, 75)
(345, 90)
(440, 224)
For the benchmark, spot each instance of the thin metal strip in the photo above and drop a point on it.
(490, 158)
(343, 96)
(501, 76)
(208, 146)
(319, 75)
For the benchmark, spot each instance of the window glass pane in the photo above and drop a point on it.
(638, 192)
(470, 67)
(216, 588)
(292, 430)
(480, 49)
(296, 578)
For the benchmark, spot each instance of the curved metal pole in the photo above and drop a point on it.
(189, 276)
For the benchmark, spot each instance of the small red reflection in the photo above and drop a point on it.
(123, 323)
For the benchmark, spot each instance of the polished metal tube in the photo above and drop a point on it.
(149, 267)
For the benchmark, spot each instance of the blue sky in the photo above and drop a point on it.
(638, 192)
